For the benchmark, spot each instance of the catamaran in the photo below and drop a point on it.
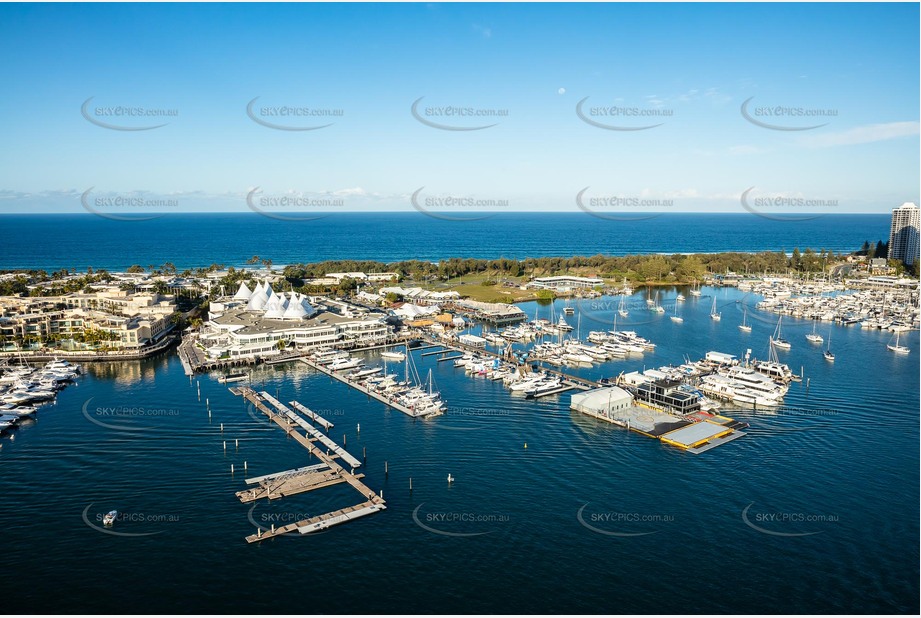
(745, 328)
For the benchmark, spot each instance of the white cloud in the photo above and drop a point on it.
(863, 135)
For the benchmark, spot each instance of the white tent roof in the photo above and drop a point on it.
(273, 308)
(258, 300)
(243, 293)
(295, 309)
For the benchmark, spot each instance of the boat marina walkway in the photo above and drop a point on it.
(327, 472)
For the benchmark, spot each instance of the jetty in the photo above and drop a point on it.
(389, 402)
(327, 472)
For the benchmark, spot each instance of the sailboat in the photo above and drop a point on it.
(656, 306)
(714, 315)
(814, 337)
(777, 340)
(898, 349)
(695, 291)
(676, 317)
(745, 328)
(622, 309)
(827, 353)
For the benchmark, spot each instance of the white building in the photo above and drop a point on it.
(261, 322)
(604, 403)
(904, 233)
(564, 282)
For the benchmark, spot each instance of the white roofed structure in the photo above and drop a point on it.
(243, 293)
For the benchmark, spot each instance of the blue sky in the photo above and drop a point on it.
(689, 67)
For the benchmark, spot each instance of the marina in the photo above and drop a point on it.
(305, 479)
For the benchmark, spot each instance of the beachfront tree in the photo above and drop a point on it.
(690, 269)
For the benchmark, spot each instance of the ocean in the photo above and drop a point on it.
(814, 511)
(52, 242)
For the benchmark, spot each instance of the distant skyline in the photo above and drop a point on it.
(599, 107)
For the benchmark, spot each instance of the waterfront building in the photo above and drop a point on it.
(904, 233)
(564, 282)
(109, 317)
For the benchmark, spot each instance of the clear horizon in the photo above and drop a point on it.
(431, 107)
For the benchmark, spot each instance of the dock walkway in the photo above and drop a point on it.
(307, 478)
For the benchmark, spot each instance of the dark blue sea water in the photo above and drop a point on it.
(837, 469)
(77, 241)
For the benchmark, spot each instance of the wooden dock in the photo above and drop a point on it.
(311, 415)
(311, 430)
(299, 480)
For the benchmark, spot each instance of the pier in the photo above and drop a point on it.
(364, 389)
(327, 472)
(311, 415)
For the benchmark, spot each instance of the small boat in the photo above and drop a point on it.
(745, 328)
(898, 349)
(109, 518)
(777, 340)
(391, 355)
(680, 298)
(232, 377)
(814, 337)
(714, 315)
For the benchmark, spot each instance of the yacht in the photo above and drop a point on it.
(526, 383)
(680, 298)
(814, 337)
(325, 357)
(714, 314)
(109, 518)
(677, 318)
(393, 355)
(563, 326)
(745, 328)
(342, 364)
(545, 386)
(898, 349)
(364, 374)
(232, 377)
(16, 410)
(777, 339)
